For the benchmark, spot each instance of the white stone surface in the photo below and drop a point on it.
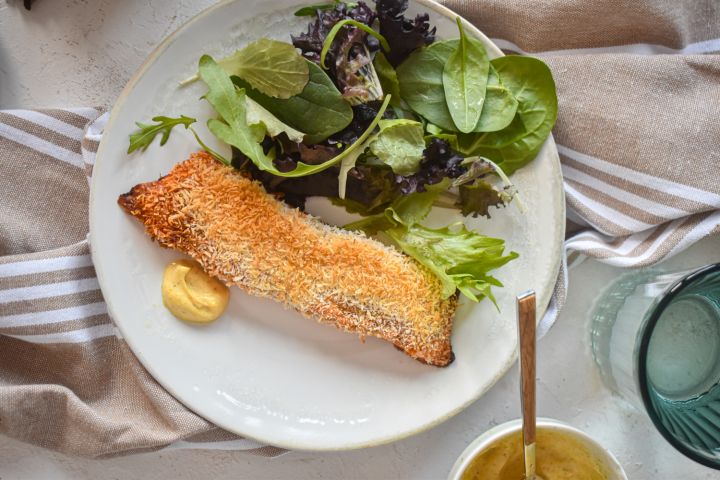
(81, 52)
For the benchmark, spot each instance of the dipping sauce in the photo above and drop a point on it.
(560, 456)
(191, 294)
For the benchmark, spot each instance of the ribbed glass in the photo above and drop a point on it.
(656, 341)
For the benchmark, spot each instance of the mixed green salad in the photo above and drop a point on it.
(368, 109)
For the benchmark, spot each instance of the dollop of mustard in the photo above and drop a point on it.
(559, 456)
(191, 294)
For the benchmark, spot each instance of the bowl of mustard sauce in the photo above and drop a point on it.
(563, 453)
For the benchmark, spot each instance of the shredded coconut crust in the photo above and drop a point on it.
(246, 237)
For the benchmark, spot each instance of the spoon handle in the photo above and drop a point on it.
(526, 333)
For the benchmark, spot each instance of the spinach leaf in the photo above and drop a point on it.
(421, 83)
(142, 138)
(531, 82)
(353, 149)
(388, 78)
(464, 79)
(500, 105)
(319, 110)
(274, 68)
(421, 86)
(400, 145)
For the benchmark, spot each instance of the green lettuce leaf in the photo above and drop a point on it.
(272, 67)
(400, 145)
(256, 114)
(460, 258)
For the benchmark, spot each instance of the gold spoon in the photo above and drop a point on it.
(526, 334)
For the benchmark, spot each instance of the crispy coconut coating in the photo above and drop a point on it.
(245, 237)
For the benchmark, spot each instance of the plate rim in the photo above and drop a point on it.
(549, 145)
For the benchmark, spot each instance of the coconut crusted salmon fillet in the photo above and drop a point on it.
(246, 237)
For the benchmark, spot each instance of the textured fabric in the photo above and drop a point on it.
(67, 381)
(638, 87)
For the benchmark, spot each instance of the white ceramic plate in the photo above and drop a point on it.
(260, 370)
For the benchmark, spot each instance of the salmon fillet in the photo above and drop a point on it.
(248, 238)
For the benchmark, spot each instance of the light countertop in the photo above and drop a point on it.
(80, 53)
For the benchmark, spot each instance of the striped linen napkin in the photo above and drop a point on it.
(639, 138)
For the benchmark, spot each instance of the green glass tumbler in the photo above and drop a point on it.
(656, 341)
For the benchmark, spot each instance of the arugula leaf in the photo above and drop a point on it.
(229, 103)
(215, 154)
(464, 80)
(141, 139)
(531, 82)
(400, 145)
(388, 78)
(257, 115)
(353, 23)
(460, 258)
(319, 110)
(274, 68)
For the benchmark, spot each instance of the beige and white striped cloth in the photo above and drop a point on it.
(639, 137)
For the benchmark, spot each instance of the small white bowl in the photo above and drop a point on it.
(606, 458)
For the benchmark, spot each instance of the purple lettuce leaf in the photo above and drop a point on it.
(404, 35)
(350, 56)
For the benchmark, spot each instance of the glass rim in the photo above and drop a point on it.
(648, 328)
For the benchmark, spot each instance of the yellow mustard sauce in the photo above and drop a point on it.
(191, 294)
(559, 457)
